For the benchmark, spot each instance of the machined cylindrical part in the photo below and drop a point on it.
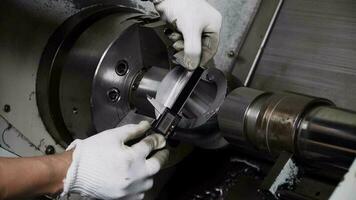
(231, 116)
(312, 128)
(328, 134)
(264, 120)
(274, 128)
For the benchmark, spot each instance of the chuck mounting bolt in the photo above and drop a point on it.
(122, 68)
(113, 94)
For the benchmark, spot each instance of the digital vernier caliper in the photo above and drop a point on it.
(170, 114)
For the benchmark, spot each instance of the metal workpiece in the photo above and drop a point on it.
(147, 85)
(264, 120)
(231, 116)
(328, 135)
(311, 128)
(174, 82)
(205, 100)
(276, 126)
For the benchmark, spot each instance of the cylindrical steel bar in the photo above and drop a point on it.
(312, 128)
(328, 134)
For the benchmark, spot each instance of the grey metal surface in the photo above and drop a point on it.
(171, 86)
(25, 28)
(263, 42)
(205, 100)
(265, 121)
(237, 17)
(5, 153)
(253, 44)
(67, 67)
(328, 133)
(11, 140)
(232, 113)
(148, 86)
(141, 48)
(313, 128)
(312, 50)
(78, 73)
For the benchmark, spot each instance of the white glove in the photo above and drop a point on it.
(200, 25)
(104, 167)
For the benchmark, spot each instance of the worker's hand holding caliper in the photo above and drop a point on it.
(103, 166)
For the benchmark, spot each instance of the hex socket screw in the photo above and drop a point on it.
(122, 67)
(113, 94)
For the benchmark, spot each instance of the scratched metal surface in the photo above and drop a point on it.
(312, 50)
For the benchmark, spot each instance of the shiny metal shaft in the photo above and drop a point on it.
(312, 128)
(328, 135)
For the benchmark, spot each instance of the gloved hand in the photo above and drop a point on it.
(104, 167)
(200, 25)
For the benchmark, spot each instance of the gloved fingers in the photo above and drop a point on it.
(140, 186)
(179, 57)
(140, 196)
(147, 185)
(73, 144)
(133, 197)
(178, 45)
(148, 144)
(192, 45)
(215, 22)
(155, 163)
(161, 7)
(175, 36)
(164, 9)
(133, 131)
(210, 43)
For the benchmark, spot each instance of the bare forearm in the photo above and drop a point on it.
(24, 177)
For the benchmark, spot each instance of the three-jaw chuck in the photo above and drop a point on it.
(100, 66)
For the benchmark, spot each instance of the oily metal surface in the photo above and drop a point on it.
(312, 50)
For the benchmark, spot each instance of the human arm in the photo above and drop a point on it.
(33, 176)
(101, 166)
